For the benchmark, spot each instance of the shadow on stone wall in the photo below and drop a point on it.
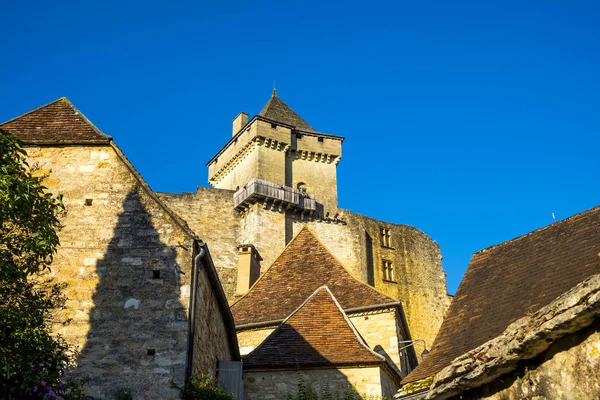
(138, 326)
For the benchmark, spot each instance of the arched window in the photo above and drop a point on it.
(301, 186)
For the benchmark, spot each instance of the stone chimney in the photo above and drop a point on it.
(248, 268)
(239, 122)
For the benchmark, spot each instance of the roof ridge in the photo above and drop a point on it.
(359, 338)
(337, 260)
(90, 123)
(535, 231)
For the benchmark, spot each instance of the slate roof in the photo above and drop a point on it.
(318, 333)
(505, 282)
(58, 122)
(303, 266)
(277, 110)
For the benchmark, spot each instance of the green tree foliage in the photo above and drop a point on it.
(32, 361)
(204, 388)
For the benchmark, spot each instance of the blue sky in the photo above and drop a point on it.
(473, 121)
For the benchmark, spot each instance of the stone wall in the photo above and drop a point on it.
(382, 332)
(128, 265)
(569, 370)
(210, 214)
(368, 381)
(353, 238)
(249, 339)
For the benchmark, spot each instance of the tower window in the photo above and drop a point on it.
(388, 271)
(321, 139)
(156, 274)
(386, 237)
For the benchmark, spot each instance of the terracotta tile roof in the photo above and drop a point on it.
(277, 110)
(58, 122)
(505, 282)
(318, 333)
(303, 266)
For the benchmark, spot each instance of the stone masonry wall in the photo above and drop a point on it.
(128, 321)
(419, 278)
(249, 339)
(210, 214)
(208, 326)
(382, 333)
(569, 370)
(373, 381)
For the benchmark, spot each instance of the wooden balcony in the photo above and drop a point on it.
(260, 190)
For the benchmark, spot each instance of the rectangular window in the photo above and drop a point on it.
(388, 271)
(386, 237)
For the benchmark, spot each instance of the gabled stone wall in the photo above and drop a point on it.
(128, 266)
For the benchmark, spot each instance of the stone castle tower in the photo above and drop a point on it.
(276, 175)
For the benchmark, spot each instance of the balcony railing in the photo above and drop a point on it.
(258, 189)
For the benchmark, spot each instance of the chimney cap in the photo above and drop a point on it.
(255, 253)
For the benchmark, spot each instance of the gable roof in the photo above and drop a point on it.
(277, 110)
(303, 266)
(58, 122)
(318, 333)
(506, 282)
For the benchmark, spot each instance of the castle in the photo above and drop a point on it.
(152, 275)
(277, 174)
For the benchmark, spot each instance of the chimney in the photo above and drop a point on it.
(248, 268)
(239, 122)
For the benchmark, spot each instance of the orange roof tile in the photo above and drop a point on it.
(318, 333)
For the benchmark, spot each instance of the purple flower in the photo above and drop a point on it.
(35, 389)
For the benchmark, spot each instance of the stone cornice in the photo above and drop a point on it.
(244, 151)
(316, 157)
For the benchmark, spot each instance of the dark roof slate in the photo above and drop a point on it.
(58, 122)
(303, 266)
(278, 111)
(505, 282)
(318, 333)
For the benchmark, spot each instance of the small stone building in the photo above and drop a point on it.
(301, 269)
(145, 304)
(318, 345)
(524, 323)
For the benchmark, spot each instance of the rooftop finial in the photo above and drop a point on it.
(274, 94)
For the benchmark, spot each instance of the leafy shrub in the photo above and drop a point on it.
(204, 388)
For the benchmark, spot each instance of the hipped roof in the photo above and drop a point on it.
(58, 122)
(303, 266)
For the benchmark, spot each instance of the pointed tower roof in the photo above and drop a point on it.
(58, 122)
(318, 333)
(303, 266)
(277, 110)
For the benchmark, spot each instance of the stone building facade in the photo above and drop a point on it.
(319, 345)
(145, 306)
(276, 175)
